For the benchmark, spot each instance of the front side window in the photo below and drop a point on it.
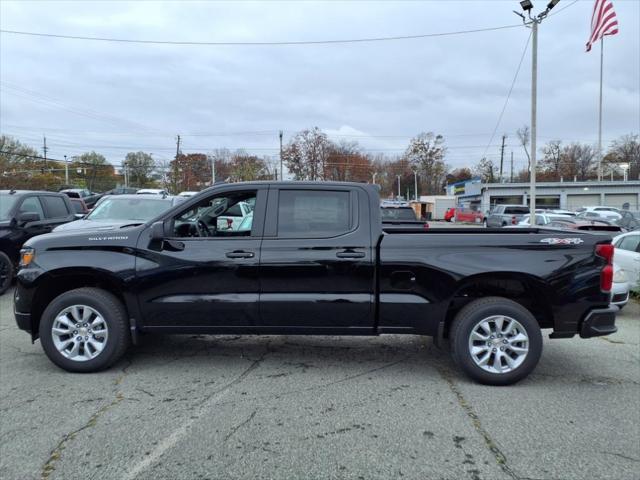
(225, 215)
(630, 243)
(313, 214)
(31, 205)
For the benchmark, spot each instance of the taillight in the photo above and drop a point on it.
(425, 226)
(514, 221)
(606, 274)
(229, 223)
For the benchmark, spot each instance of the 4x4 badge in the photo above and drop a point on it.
(562, 241)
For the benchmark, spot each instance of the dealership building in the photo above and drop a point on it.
(566, 195)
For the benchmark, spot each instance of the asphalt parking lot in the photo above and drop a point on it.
(220, 407)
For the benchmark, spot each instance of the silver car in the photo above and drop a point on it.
(505, 215)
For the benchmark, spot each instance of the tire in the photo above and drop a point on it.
(497, 370)
(6, 272)
(484, 222)
(107, 342)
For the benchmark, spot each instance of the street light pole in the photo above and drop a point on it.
(534, 120)
(398, 187)
(375, 174)
(281, 175)
(66, 171)
(415, 184)
(534, 20)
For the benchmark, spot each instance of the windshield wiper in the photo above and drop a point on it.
(132, 225)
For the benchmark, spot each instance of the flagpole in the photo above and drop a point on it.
(600, 112)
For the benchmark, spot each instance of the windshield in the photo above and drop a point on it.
(141, 209)
(6, 203)
(398, 214)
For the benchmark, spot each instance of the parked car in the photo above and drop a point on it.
(25, 214)
(316, 261)
(542, 219)
(401, 218)
(620, 288)
(79, 207)
(122, 191)
(627, 256)
(467, 215)
(187, 194)
(89, 198)
(234, 216)
(152, 191)
(602, 213)
(504, 215)
(115, 211)
(576, 223)
(629, 220)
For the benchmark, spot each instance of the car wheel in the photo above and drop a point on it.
(6, 272)
(84, 330)
(496, 341)
(484, 223)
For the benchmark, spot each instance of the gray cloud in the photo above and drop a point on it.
(142, 95)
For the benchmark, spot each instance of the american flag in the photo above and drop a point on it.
(603, 21)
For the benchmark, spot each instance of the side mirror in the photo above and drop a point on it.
(157, 231)
(28, 217)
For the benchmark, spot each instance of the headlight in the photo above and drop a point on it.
(27, 254)
(619, 276)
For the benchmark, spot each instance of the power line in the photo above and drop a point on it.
(506, 101)
(242, 44)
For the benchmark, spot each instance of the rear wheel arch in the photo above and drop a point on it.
(527, 290)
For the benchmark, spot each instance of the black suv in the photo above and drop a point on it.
(25, 214)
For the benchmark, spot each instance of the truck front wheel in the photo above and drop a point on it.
(496, 341)
(84, 330)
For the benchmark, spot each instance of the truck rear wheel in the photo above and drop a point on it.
(84, 330)
(6, 272)
(496, 341)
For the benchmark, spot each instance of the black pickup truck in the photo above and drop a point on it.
(312, 258)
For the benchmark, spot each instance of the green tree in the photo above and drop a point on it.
(94, 171)
(140, 167)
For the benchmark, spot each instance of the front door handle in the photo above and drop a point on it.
(240, 254)
(350, 254)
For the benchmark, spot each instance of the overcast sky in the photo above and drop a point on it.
(119, 97)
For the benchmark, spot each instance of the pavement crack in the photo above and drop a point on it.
(239, 426)
(622, 456)
(490, 443)
(55, 455)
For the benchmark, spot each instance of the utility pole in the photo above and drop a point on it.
(44, 149)
(504, 137)
(66, 171)
(511, 181)
(415, 183)
(527, 6)
(375, 174)
(178, 147)
(281, 171)
(213, 170)
(398, 187)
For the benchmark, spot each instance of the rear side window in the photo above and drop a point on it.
(517, 210)
(398, 214)
(77, 207)
(55, 207)
(313, 214)
(31, 205)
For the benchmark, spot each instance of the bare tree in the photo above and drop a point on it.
(626, 149)
(486, 170)
(524, 136)
(578, 160)
(552, 159)
(306, 154)
(426, 153)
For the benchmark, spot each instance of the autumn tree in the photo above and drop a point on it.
(190, 171)
(306, 154)
(459, 175)
(346, 162)
(426, 153)
(245, 167)
(578, 160)
(93, 170)
(140, 168)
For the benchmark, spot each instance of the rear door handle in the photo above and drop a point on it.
(240, 254)
(350, 254)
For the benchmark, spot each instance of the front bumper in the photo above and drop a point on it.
(599, 322)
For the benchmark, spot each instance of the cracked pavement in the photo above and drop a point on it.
(224, 407)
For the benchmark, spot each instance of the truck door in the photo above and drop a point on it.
(202, 275)
(317, 261)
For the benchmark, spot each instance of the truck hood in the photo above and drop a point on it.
(87, 238)
(94, 225)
